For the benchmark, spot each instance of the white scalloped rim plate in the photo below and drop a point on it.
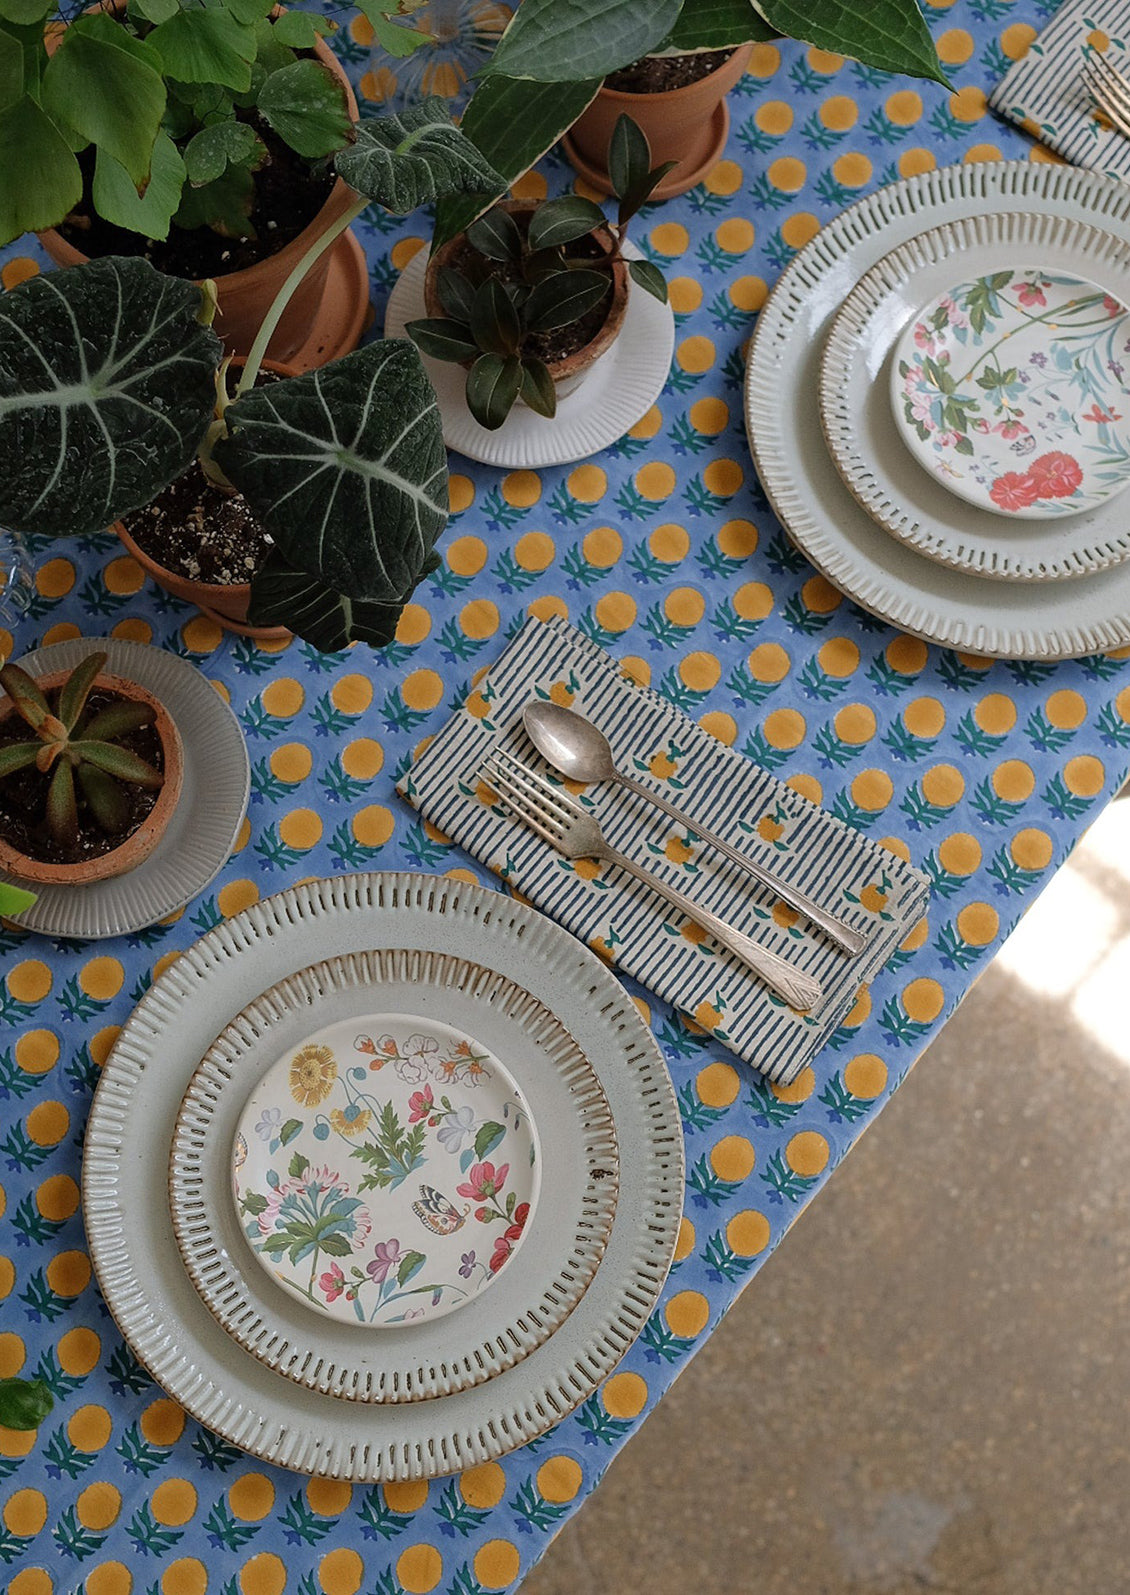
(618, 391)
(953, 608)
(855, 404)
(543, 1282)
(129, 1132)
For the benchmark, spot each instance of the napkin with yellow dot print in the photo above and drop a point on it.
(872, 889)
(1045, 94)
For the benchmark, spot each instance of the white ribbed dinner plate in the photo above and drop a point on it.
(126, 1154)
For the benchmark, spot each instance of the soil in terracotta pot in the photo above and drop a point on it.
(289, 193)
(23, 796)
(659, 74)
(198, 531)
(561, 341)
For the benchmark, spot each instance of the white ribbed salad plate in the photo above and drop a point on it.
(536, 1284)
(129, 1134)
(954, 608)
(617, 392)
(200, 835)
(859, 366)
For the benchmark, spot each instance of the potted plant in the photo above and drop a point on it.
(90, 774)
(531, 295)
(552, 61)
(111, 384)
(199, 136)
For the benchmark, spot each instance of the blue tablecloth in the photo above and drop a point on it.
(662, 548)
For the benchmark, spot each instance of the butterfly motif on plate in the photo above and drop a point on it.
(436, 1213)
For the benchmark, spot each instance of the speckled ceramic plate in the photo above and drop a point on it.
(230, 1098)
(126, 1155)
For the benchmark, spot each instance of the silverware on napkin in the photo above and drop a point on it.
(580, 751)
(1109, 89)
(566, 826)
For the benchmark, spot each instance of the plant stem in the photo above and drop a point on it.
(286, 292)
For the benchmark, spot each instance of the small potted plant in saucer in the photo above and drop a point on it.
(112, 385)
(90, 774)
(533, 293)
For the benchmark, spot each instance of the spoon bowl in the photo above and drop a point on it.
(573, 745)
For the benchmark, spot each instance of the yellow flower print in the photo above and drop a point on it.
(312, 1074)
(344, 1125)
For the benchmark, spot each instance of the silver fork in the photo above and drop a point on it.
(1109, 89)
(566, 826)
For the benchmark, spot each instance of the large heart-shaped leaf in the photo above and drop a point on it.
(345, 467)
(325, 617)
(557, 42)
(715, 25)
(889, 34)
(409, 160)
(106, 388)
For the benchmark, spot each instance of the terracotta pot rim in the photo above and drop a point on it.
(663, 95)
(140, 842)
(581, 359)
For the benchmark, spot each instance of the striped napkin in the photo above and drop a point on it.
(873, 890)
(1045, 93)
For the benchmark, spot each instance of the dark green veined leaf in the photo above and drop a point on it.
(650, 277)
(487, 1138)
(410, 1265)
(559, 221)
(889, 34)
(556, 43)
(22, 12)
(300, 30)
(443, 339)
(455, 293)
(345, 467)
(24, 1403)
(494, 320)
(306, 106)
(493, 385)
(409, 160)
(629, 156)
(206, 46)
(557, 301)
(224, 204)
(209, 153)
(537, 388)
(106, 388)
(299, 1163)
(715, 25)
(76, 688)
(496, 235)
(289, 1130)
(50, 182)
(105, 798)
(513, 122)
(116, 198)
(18, 756)
(107, 86)
(61, 808)
(328, 619)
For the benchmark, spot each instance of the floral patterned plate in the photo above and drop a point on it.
(385, 1169)
(1009, 389)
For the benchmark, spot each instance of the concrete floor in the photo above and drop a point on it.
(928, 1387)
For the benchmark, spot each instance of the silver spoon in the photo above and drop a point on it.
(580, 751)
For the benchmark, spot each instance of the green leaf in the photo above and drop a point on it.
(107, 364)
(76, 688)
(21, 12)
(50, 182)
(335, 1246)
(410, 1265)
(559, 300)
(11, 69)
(559, 221)
(650, 277)
(537, 388)
(715, 25)
(116, 199)
(277, 1243)
(298, 1165)
(209, 153)
(24, 1403)
(392, 37)
(512, 122)
(487, 1138)
(152, 11)
(18, 756)
(224, 204)
(289, 1130)
(106, 800)
(61, 808)
(119, 762)
(117, 720)
(493, 384)
(496, 235)
(455, 293)
(888, 34)
(25, 692)
(561, 43)
(254, 11)
(206, 46)
(345, 467)
(253, 1202)
(494, 320)
(300, 30)
(306, 106)
(321, 615)
(443, 339)
(14, 900)
(402, 162)
(629, 156)
(106, 85)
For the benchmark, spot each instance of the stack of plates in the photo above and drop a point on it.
(994, 524)
(415, 1199)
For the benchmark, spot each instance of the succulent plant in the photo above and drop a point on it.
(527, 282)
(24, 1403)
(71, 746)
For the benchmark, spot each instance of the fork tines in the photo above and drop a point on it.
(1109, 89)
(527, 795)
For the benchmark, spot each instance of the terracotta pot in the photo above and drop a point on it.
(316, 327)
(568, 373)
(138, 845)
(687, 125)
(226, 604)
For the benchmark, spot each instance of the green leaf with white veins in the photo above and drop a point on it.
(106, 388)
(565, 297)
(345, 467)
(889, 34)
(323, 616)
(117, 200)
(402, 162)
(106, 85)
(561, 41)
(306, 106)
(206, 47)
